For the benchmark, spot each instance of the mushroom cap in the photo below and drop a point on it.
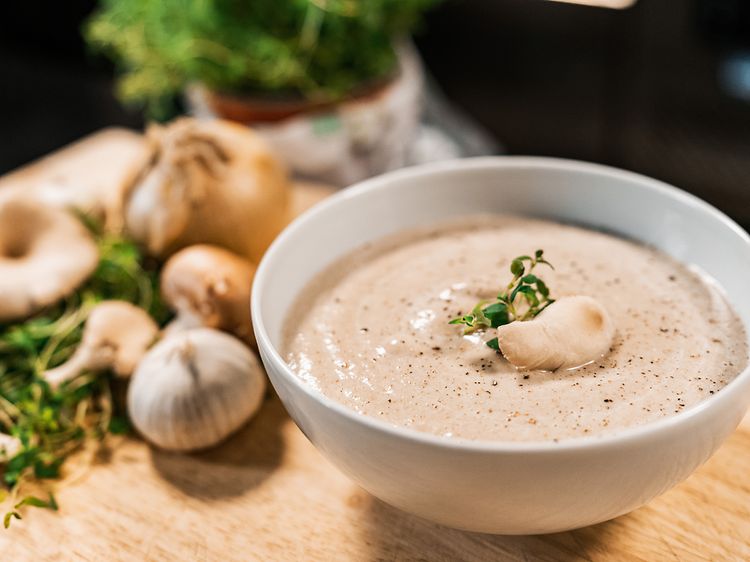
(194, 388)
(45, 254)
(210, 286)
(571, 332)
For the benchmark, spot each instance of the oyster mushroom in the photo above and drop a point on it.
(45, 254)
(87, 199)
(194, 388)
(569, 333)
(209, 286)
(115, 337)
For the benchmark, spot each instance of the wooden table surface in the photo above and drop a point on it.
(267, 494)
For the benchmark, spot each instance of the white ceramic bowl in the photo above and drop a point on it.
(506, 487)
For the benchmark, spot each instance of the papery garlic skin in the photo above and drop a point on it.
(157, 211)
(211, 182)
(195, 388)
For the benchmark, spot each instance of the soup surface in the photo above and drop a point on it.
(372, 333)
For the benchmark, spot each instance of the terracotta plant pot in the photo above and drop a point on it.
(253, 110)
(366, 134)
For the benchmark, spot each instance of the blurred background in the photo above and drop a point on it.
(661, 88)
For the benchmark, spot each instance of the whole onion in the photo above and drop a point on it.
(211, 182)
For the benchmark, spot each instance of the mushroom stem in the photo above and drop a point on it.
(116, 336)
(69, 370)
(571, 332)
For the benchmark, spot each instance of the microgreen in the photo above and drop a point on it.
(523, 298)
(52, 424)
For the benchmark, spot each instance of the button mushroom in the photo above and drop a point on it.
(209, 286)
(115, 337)
(45, 254)
(569, 333)
(194, 388)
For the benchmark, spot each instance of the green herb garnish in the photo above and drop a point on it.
(522, 299)
(52, 424)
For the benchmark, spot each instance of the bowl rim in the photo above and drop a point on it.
(615, 439)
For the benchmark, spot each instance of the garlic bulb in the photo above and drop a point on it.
(194, 388)
(211, 182)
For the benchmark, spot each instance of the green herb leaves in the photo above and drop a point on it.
(522, 299)
(51, 424)
(32, 501)
(311, 49)
(8, 516)
(497, 313)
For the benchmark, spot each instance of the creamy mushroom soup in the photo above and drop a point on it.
(372, 332)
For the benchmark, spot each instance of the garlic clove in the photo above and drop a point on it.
(195, 388)
(571, 332)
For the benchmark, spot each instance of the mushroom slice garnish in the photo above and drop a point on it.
(571, 332)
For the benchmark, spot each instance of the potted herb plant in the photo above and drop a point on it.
(330, 83)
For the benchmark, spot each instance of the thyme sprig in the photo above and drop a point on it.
(523, 298)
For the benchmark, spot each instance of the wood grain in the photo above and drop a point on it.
(267, 494)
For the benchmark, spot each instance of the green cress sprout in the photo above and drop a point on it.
(52, 424)
(525, 287)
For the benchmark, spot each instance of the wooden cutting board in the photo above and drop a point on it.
(267, 494)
